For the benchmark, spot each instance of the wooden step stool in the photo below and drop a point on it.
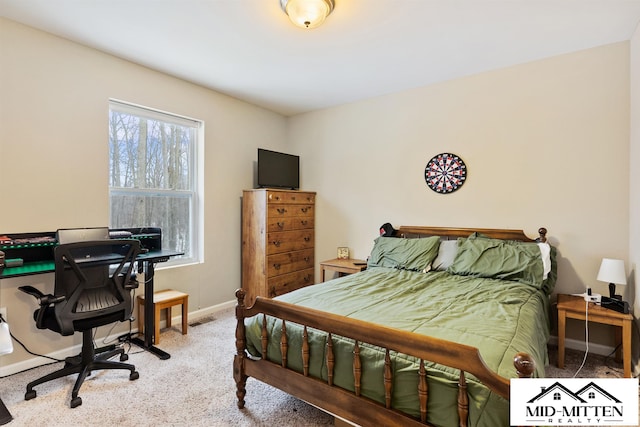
(162, 300)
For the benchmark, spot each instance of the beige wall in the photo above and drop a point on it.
(634, 190)
(54, 154)
(546, 144)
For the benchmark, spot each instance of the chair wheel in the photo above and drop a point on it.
(76, 401)
(30, 395)
(134, 375)
(123, 357)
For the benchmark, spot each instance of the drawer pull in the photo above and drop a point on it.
(280, 224)
(281, 210)
(277, 243)
(307, 278)
(272, 292)
(306, 259)
(307, 238)
(304, 222)
(276, 266)
(305, 209)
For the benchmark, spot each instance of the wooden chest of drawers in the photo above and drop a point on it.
(278, 241)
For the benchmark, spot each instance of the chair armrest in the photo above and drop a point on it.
(43, 299)
(32, 291)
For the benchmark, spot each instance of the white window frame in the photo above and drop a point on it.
(195, 225)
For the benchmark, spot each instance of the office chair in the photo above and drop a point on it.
(88, 292)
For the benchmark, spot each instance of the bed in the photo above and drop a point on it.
(429, 334)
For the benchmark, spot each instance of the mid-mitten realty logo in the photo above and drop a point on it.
(574, 401)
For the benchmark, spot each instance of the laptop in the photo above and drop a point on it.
(72, 235)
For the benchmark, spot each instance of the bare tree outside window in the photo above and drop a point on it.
(152, 172)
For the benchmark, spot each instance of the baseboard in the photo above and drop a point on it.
(599, 349)
(204, 312)
(36, 361)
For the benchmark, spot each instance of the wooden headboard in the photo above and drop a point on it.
(448, 233)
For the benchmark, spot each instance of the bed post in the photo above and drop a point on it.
(542, 232)
(524, 364)
(239, 359)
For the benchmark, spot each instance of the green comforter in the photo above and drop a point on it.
(499, 317)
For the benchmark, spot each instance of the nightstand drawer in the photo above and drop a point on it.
(290, 261)
(289, 282)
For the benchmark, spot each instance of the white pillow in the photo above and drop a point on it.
(446, 254)
(545, 254)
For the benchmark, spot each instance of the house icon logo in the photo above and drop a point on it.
(591, 393)
(574, 401)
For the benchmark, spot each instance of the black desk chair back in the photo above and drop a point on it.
(93, 284)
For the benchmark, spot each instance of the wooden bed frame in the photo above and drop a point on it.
(351, 405)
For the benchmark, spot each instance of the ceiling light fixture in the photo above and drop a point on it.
(307, 13)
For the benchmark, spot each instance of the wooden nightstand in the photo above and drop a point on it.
(573, 307)
(343, 266)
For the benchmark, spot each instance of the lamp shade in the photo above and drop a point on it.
(612, 271)
(307, 13)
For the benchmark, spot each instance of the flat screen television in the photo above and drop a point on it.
(278, 170)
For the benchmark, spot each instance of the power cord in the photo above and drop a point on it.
(586, 337)
(31, 352)
(586, 327)
(612, 369)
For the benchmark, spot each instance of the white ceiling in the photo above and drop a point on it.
(248, 49)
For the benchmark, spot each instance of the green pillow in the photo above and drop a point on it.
(405, 254)
(499, 259)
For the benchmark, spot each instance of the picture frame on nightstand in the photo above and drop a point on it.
(343, 252)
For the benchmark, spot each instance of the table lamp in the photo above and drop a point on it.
(613, 272)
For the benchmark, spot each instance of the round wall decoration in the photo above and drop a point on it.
(445, 173)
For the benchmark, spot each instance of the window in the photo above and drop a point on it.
(153, 175)
(556, 396)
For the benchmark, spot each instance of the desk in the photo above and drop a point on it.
(573, 307)
(146, 264)
(343, 266)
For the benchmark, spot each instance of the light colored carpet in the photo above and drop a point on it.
(194, 387)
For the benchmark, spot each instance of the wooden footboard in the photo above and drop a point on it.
(344, 403)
